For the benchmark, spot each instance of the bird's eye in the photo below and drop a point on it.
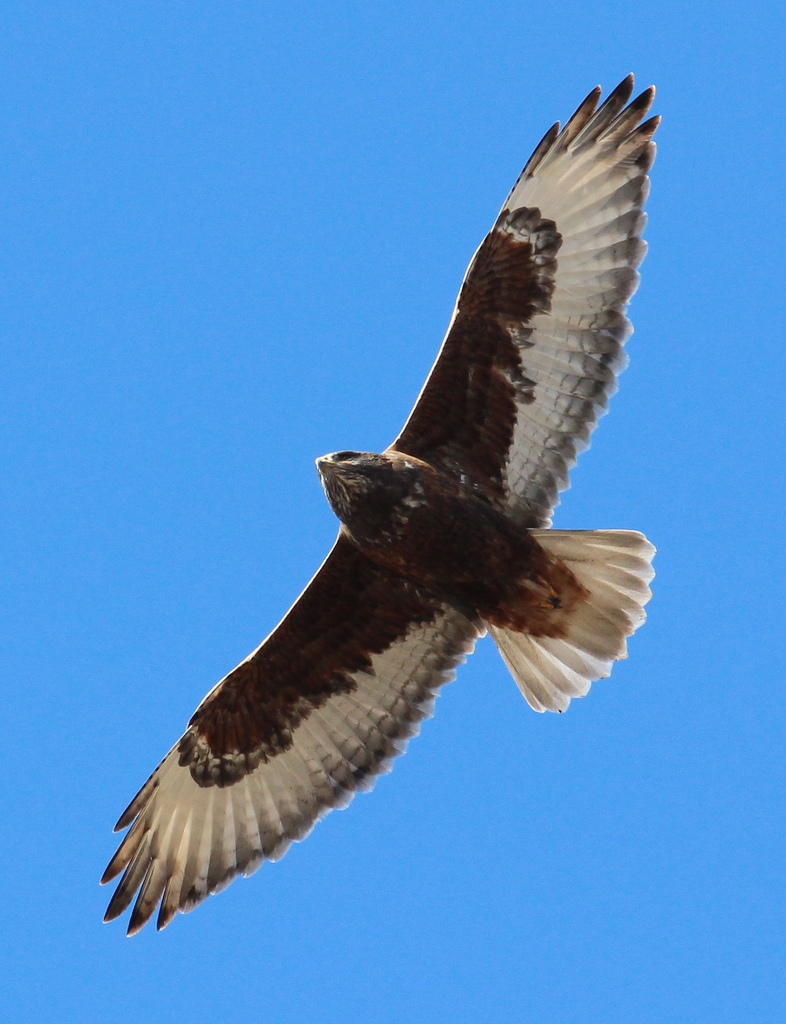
(344, 456)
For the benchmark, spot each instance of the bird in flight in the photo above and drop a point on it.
(444, 536)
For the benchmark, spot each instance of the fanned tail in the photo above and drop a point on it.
(613, 567)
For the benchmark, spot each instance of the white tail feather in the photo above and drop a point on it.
(614, 567)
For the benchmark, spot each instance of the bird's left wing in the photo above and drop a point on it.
(536, 339)
(315, 713)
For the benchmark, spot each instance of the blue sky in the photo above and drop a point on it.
(232, 237)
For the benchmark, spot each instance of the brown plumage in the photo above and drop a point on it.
(443, 537)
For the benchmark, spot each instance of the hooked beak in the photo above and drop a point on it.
(330, 464)
(326, 465)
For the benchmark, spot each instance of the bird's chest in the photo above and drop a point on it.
(450, 543)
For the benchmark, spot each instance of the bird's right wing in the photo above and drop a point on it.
(315, 713)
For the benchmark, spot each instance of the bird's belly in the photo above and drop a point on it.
(457, 552)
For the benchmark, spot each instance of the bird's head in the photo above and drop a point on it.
(369, 492)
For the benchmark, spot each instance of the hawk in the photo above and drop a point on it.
(443, 537)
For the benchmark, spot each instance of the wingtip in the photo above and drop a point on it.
(642, 103)
(138, 921)
(114, 867)
(128, 815)
(540, 151)
(110, 914)
(166, 914)
(623, 91)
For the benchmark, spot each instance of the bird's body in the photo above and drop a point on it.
(429, 528)
(425, 525)
(444, 536)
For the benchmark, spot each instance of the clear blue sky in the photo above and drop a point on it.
(232, 234)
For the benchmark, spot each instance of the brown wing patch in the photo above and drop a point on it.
(466, 414)
(350, 611)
